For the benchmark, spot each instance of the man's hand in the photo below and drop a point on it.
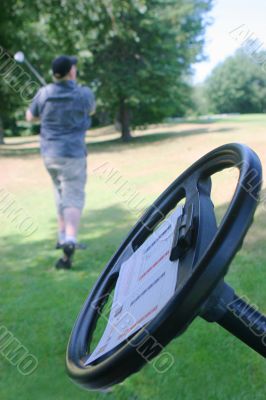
(30, 117)
(93, 108)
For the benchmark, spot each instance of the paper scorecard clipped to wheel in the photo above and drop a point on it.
(146, 282)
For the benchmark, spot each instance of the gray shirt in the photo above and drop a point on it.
(64, 109)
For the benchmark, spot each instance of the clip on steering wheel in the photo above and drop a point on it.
(204, 252)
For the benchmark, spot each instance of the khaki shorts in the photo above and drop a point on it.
(69, 176)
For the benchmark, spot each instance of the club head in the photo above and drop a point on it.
(19, 57)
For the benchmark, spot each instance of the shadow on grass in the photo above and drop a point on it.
(39, 306)
(117, 144)
(101, 231)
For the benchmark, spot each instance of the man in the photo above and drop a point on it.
(64, 109)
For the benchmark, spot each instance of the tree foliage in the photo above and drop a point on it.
(136, 54)
(238, 85)
(17, 18)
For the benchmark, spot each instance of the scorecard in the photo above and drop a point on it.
(146, 282)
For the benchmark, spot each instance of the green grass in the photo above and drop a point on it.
(39, 304)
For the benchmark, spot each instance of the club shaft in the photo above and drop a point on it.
(35, 72)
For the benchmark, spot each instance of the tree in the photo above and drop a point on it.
(15, 18)
(238, 85)
(136, 53)
(5, 40)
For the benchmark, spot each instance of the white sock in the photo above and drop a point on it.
(61, 237)
(70, 238)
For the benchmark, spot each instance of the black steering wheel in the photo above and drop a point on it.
(204, 252)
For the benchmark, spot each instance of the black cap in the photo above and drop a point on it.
(62, 65)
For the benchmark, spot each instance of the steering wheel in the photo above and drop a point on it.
(204, 252)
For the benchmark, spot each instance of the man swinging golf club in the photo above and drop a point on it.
(64, 109)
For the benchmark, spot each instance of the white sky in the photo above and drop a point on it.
(227, 15)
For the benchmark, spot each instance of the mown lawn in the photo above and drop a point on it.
(39, 304)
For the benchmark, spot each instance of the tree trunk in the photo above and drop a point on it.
(125, 121)
(1, 132)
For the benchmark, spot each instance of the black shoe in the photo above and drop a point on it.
(69, 249)
(66, 261)
(63, 263)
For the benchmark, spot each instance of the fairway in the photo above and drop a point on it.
(40, 304)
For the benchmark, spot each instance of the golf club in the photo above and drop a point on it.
(20, 58)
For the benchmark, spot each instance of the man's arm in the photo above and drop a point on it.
(30, 117)
(93, 109)
(33, 112)
(91, 102)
